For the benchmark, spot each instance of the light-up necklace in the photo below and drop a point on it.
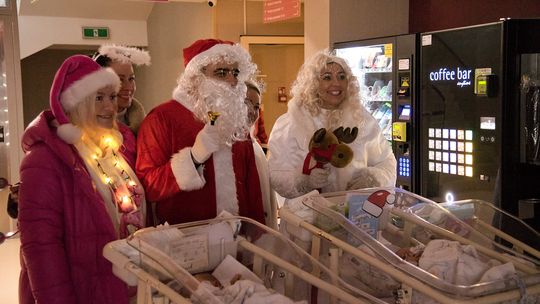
(116, 183)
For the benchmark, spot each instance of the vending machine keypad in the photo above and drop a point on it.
(451, 151)
(404, 167)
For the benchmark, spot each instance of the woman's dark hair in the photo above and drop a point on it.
(252, 85)
(102, 60)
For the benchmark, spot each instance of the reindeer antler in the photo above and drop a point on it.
(346, 135)
(319, 135)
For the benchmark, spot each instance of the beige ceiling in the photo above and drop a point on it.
(93, 9)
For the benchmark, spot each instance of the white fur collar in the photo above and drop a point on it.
(183, 98)
(226, 197)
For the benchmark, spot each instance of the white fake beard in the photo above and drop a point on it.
(219, 96)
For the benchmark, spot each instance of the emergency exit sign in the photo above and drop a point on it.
(95, 32)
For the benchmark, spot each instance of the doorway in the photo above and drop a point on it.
(11, 129)
(278, 58)
(11, 126)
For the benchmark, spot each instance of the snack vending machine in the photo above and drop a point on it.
(480, 115)
(386, 69)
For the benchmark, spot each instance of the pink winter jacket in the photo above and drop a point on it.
(64, 225)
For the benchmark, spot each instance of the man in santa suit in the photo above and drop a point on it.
(192, 164)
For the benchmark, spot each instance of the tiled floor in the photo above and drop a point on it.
(10, 267)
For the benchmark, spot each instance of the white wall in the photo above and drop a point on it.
(39, 32)
(316, 26)
(327, 21)
(171, 27)
(356, 20)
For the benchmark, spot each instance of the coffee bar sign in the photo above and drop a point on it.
(461, 76)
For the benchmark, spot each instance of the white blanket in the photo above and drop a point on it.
(248, 289)
(461, 264)
(244, 292)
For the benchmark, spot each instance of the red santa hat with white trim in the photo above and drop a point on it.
(376, 201)
(207, 51)
(77, 78)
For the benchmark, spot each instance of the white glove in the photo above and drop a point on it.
(206, 143)
(366, 178)
(318, 178)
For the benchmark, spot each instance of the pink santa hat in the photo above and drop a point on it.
(77, 78)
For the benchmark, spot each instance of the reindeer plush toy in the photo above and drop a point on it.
(330, 147)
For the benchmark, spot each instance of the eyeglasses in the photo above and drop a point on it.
(222, 73)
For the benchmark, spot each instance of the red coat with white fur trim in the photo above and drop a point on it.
(182, 192)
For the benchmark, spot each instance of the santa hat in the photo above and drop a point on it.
(123, 54)
(77, 78)
(207, 51)
(376, 201)
(200, 46)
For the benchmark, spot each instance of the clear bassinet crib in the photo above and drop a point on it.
(393, 244)
(172, 264)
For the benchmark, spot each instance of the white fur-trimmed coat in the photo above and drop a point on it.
(374, 163)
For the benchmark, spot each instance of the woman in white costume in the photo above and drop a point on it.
(325, 94)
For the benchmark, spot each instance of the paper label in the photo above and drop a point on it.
(388, 50)
(190, 252)
(426, 40)
(404, 64)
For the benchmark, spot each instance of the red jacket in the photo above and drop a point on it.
(165, 168)
(64, 225)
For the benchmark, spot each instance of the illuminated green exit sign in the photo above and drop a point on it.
(95, 32)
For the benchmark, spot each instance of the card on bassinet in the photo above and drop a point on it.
(359, 217)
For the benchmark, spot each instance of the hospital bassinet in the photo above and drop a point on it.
(356, 234)
(163, 263)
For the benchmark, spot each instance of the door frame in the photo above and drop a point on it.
(8, 15)
(246, 41)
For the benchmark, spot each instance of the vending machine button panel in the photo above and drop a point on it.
(451, 151)
(404, 167)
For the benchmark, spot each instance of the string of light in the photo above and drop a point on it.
(125, 201)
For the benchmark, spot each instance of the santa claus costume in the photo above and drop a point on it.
(228, 180)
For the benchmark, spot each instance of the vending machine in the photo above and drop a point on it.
(386, 69)
(480, 114)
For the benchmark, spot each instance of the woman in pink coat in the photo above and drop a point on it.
(78, 191)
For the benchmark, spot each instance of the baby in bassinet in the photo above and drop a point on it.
(184, 257)
(454, 264)
(231, 282)
(448, 260)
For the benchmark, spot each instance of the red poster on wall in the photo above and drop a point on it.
(278, 10)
